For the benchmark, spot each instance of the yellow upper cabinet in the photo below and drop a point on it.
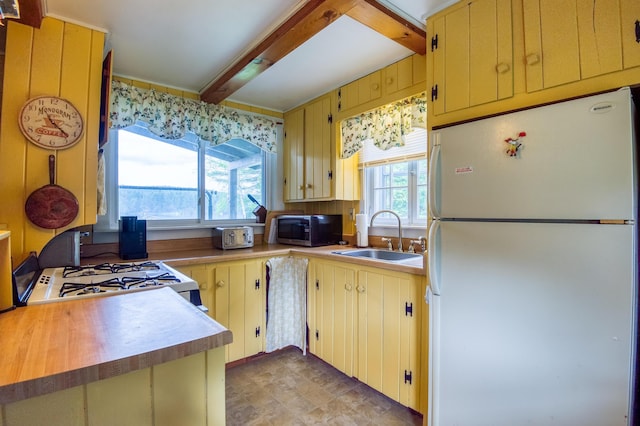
(572, 40)
(293, 156)
(318, 142)
(630, 24)
(360, 91)
(313, 170)
(398, 76)
(471, 55)
(399, 80)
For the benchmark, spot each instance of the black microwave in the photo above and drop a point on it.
(310, 230)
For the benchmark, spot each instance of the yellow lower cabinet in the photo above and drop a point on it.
(240, 305)
(332, 310)
(200, 274)
(366, 322)
(59, 408)
(179, 392)
(130, 393)
(389, 318)
(186, 391)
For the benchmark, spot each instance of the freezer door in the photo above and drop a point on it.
(575, 162)
(533, 324)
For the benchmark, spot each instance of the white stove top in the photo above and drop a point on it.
(107, 279)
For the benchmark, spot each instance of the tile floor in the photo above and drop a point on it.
(287, 388)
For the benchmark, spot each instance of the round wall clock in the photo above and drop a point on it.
(51, 122)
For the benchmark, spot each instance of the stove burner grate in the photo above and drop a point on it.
(78, 271)
(108, 268)
(132, 267)
(146, 281)
(100, 287)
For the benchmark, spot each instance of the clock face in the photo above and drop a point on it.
(51, 122)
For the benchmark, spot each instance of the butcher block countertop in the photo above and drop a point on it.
(326, 252)
(203, 256)
(55, 346)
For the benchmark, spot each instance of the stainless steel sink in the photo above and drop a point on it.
(379, 254)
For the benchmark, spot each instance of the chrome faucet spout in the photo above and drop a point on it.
(399, 224)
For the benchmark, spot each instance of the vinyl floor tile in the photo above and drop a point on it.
(287, 388)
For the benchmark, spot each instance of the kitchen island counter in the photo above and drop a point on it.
(56, 346)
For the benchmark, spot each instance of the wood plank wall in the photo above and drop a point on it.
(60, 59)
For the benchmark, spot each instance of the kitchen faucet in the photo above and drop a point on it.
(399, 225)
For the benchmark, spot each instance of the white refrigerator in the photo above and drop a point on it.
(533, 267)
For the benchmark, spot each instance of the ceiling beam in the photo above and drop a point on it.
(313, 17)
(391, 25)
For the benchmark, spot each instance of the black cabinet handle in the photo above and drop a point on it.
(637, 31)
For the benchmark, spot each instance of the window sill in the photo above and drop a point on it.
(173, 231)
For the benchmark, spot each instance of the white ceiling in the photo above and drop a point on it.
(189, 46)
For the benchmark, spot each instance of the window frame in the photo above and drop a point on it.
(110, 221)
(369, 188)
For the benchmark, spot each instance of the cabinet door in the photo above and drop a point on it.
(229, 305)
(294, 156)
(254, 307)
(419, 69)
(551, 43)
(456, 60)
(577, 39)
(333, 290)
(344, 319)
(473, 55)
(490, 51)
(388, 335)
(599, 37)
(398, 76)
(318, 173)
(369, 88)
(324, 288)
(348, 96)
(202, 275)
(630, 14)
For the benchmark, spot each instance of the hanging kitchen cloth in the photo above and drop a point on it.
(287, 303)
(102, 196)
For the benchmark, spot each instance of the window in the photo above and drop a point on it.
(396, 180)
(181, 182)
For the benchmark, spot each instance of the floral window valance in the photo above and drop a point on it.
(386, 126)
(170, 117)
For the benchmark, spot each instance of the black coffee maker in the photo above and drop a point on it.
(133, 238)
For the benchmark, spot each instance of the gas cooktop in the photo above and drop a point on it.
(105, 279)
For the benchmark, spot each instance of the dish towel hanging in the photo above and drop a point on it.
(102, 196)
(287, 303)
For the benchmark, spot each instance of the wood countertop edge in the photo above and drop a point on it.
(177, 259)
(65, 380)
(125, 356)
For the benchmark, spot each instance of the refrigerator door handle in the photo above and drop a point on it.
(432, 260)
(428, 295)
(433, 161)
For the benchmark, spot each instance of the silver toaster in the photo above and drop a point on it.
(233, 238)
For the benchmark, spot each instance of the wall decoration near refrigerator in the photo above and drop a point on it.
(533, 266)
